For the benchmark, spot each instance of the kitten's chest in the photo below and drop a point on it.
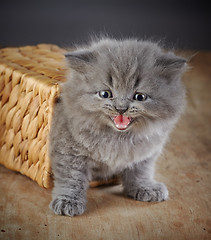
(118, 154)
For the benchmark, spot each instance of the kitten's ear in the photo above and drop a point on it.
(80, 59)
(171, 64)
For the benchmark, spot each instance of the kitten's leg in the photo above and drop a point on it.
(70, 185)
(139, 184)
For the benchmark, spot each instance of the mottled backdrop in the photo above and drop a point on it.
(183, 24)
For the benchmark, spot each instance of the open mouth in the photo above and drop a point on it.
(121, 122)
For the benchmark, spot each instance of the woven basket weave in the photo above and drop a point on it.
(29, 85)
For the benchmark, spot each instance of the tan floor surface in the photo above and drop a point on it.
(184, 167)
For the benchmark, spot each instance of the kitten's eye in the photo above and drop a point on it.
(105, 94)
(140, 97)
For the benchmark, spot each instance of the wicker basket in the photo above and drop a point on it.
(29, 85)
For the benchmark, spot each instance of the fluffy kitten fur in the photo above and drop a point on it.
(86, 144)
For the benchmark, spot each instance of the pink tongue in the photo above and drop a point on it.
(121, 122)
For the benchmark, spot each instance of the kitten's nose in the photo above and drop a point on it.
(121, 110)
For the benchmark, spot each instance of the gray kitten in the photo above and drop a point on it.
(114, 115)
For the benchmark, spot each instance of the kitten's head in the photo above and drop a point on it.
(124, 85)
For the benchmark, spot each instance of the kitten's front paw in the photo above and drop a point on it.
(65, 205)
(150, 192)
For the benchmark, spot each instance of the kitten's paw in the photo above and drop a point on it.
(150, 192)
(65, 205)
